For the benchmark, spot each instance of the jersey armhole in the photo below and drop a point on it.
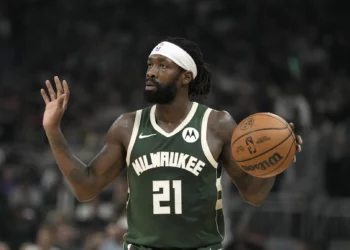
(134, 133)
(204, 142)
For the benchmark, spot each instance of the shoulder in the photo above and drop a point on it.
(221, 124)
(124, 121)
(122, 127)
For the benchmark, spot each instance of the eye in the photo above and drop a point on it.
(162, 66)
(149, 65)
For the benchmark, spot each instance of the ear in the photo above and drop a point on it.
(187, 77)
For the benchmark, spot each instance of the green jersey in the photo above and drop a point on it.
(174, 184)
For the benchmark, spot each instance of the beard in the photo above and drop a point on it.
(164, 93)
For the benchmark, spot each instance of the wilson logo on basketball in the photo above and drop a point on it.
(271, 161)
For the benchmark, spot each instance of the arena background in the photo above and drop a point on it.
(282, 56)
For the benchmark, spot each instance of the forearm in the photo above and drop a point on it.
(74, 170)
(257, 189)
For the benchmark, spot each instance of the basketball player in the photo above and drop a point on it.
(173, 152)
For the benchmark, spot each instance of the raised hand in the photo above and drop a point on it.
(56, 103)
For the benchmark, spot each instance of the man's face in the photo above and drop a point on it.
(162, 80)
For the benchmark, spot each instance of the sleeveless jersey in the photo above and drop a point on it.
(174, 184)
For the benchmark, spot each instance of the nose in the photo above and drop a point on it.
(152, 72)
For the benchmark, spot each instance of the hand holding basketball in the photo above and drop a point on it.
(264, 145)
(299, 141)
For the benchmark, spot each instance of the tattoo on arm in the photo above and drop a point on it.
(60, 148)
(87, 180)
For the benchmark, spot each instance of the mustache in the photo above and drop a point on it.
(154, 81)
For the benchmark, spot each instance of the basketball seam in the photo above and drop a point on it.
(279, 119)
(266, 114)
(293, 144)
(260, 129)
(267, 150)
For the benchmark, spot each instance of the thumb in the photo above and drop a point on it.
(60, 100)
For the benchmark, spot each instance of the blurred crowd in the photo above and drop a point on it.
(286, 57)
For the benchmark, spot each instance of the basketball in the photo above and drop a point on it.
(263, 145)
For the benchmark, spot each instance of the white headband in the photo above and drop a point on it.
(177, 55)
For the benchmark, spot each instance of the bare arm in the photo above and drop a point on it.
(87, 181)
(253, 190)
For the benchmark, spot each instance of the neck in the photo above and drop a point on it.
(174, 112)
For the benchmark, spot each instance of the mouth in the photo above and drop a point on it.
(150, 86)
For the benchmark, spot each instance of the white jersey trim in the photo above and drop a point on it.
(218, 189)
(181, 126)
(135, 131)
(204, 142)
(218, 204)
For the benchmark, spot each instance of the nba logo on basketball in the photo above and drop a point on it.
(250, 144)
(159, 46)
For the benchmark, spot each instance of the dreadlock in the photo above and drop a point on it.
(201, 85)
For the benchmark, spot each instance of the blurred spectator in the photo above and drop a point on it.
(94, 241)
(293, 106)
(4, 246)
(44, 240)
(115, 233)
(65, 236)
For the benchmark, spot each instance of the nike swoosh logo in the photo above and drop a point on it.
(146, 136)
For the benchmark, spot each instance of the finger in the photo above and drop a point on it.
(60, 100)
(298, 148)
(58, 86)
(299, 140)
(65, 87)
(50, 89)
(295, 159)
(66, 93)
(292, 125)
(44, 95)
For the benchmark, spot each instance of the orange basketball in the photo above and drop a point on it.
(263, 145)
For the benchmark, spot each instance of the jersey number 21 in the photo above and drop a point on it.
(164, 196)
